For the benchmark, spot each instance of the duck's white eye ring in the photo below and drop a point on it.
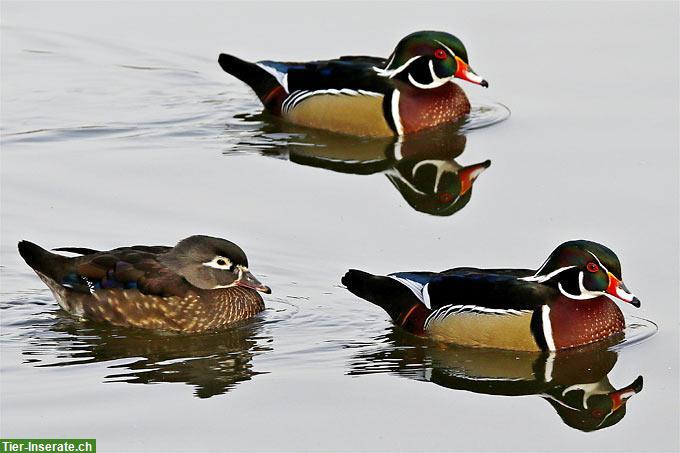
(219, 262)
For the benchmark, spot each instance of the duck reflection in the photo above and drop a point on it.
(212, 363)
(421, 167)
(574, 382)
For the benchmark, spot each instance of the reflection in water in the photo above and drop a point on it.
(574, 382)
(420, 166)
(212, 363)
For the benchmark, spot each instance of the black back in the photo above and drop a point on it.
(352, 72)
(489, 288)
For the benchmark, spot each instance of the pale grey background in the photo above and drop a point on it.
(97, 153)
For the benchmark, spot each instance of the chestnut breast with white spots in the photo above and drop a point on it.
(421, 109)
(579, 322)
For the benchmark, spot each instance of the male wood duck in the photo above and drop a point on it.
(567, 302)
(202, 283)
(411, 90)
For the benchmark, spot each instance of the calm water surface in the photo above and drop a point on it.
(119, 128)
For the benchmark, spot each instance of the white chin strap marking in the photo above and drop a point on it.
(391, 73)
(241, 269)
(436, 81)
(585, 294)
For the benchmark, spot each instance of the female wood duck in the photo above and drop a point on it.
(411, 90)
(567, 302)
(202, 283)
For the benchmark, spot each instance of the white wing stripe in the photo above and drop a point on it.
(447, 310)
(415, 287)
(286, 104)
(390, 73)
(300, 95)
(543, 278)
(281, 77)
(426, 295)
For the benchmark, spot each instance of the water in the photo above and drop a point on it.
(118, 128)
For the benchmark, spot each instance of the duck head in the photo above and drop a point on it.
(211, 263)
(429, 59)
(583, 270)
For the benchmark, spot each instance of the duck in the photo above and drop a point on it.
(568, 301)
(201, 284)
(411, 90)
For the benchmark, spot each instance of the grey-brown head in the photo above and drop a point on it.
(211, 263)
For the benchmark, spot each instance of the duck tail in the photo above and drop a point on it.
(265, 84)
(405, 309)
(41, 260)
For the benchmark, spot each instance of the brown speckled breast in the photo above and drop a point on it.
(576, 323)
(421, 109)
(197, 311)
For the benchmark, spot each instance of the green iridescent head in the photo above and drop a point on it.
(584, 270)
(429, 59)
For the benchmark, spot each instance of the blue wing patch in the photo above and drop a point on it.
(416, 282)
(278, 66)
(423, 278)
(81, 283)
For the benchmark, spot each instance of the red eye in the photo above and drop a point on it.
(592, 267)
(440, 54)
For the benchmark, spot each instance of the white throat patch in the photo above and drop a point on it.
(436, 81)
(585, 293)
